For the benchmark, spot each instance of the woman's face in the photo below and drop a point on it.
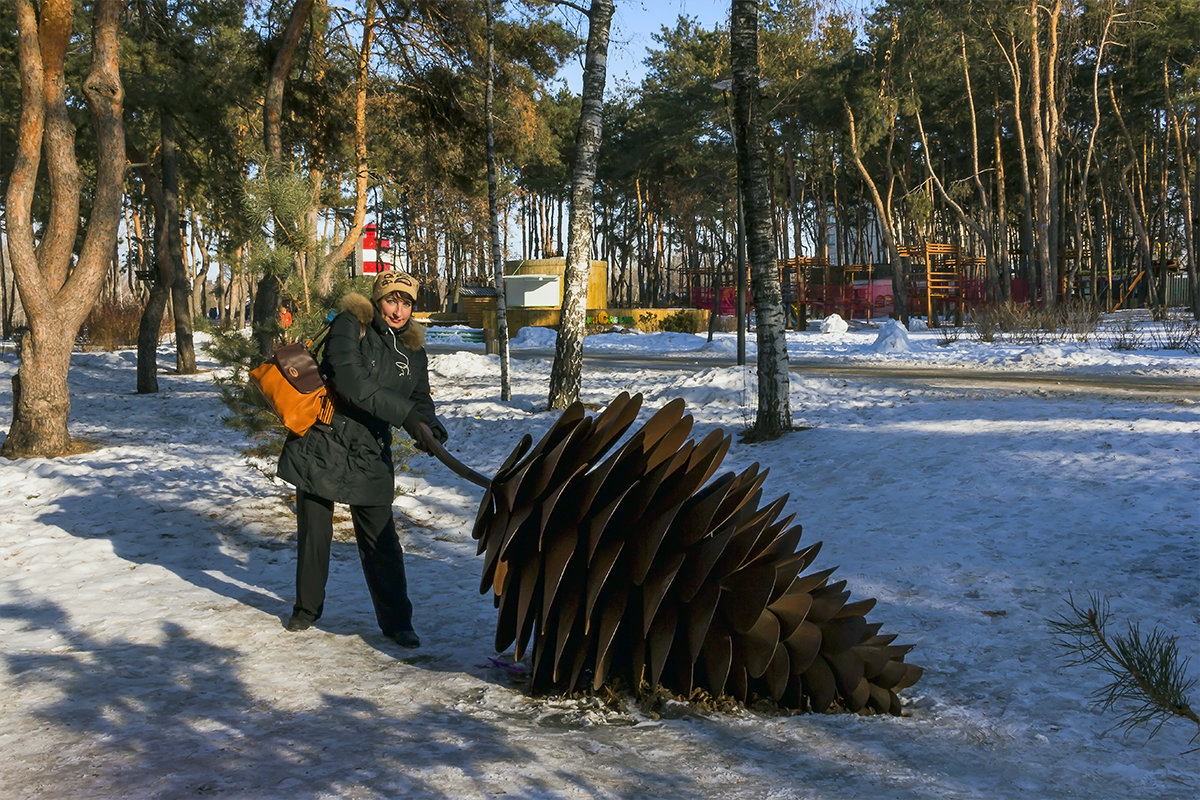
(395, 310)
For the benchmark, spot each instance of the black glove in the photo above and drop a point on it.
(412, 426)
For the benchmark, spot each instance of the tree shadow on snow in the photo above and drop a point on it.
(155, 525)
(173, 719)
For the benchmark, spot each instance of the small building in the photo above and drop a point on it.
(474, 301)
(539, 283)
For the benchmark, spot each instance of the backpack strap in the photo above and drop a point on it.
(317, 343)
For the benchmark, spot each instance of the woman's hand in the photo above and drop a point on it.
(412, 426)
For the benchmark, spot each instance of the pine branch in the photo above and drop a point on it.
(1148, 682)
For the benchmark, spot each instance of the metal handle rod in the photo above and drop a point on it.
(457, 467)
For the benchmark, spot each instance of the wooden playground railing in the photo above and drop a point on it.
(936, 273)
(813, 284)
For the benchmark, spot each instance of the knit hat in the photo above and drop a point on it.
(394, 281)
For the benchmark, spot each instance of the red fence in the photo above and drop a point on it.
(860, 300)
(702, 297)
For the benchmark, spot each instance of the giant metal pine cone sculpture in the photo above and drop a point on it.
(637, 567)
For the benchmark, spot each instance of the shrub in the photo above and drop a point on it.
(948, 335)
(998, 322)
(1124, 334)
(113, 324)
(681, 321)
(1080, 319)
(986, 324)
(1020, 323)
(248, 410)
(1176, 334)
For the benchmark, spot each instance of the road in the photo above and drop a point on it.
(951, 377)
(1145, 387)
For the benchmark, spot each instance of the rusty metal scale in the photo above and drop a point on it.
(638, 564)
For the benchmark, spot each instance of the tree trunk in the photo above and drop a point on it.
(185, 350)
(267, 298)
(273, 98)
(57, 297)
(162, 282)
(887, 225)
(1000, 185)
(1194, 261)
(986, 226)
(148, 333)
(1186, 173)
(1135, 200)
(198, 269)
(567, 373)
(361, 174)
(494, 208)
(1011, 56)
(774, 408)
(12, 315)
(981, 227)
(1043, 118)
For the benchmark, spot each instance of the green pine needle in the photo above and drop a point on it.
(1147, 682)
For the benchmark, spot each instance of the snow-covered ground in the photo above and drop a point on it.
(143, 587)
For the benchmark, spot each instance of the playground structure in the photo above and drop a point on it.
(811, 286)
(941, 283)
(1118, 288)
(936, 280)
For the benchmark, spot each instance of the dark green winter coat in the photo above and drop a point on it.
(380, 381)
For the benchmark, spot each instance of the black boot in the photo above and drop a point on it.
(299, 622)
(406, 638)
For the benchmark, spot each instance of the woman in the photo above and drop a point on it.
(375, 363)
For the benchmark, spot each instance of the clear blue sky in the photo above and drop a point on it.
(636, 21)
(631, 35)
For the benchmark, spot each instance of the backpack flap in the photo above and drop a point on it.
(299, 368)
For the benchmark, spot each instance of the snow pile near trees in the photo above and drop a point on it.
(834, 324)
(893, 338)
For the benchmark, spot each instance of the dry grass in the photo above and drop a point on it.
(1019, 323)
(113, 324)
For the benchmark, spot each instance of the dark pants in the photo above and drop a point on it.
(378, 549)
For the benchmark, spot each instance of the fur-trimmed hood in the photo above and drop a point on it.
(412, 335)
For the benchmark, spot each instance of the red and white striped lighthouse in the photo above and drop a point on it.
(372, 255)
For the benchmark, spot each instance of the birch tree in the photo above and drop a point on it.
(494, 204)
(567, 373)
(774, 409)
